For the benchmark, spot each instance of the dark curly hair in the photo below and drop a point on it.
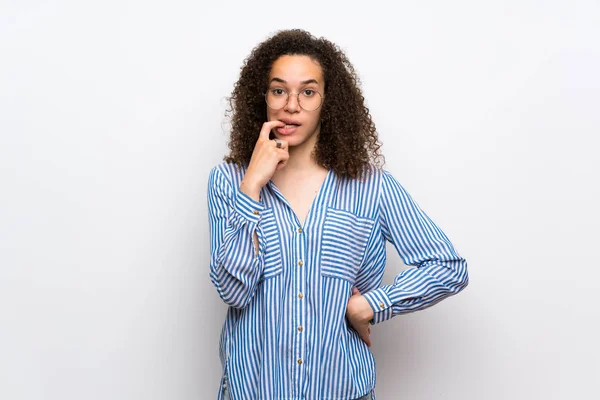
(347, 143)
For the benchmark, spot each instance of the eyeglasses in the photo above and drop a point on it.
(308, 99)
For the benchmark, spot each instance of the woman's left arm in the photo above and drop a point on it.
(438, 270)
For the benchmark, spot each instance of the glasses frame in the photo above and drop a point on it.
(297, 99)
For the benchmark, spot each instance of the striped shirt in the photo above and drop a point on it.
(285, 335)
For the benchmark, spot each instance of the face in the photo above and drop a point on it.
(303, 75)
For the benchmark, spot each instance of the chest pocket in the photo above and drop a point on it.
(272, 253)
(345, 239)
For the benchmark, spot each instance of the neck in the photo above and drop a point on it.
(301, 160)
(301, 156)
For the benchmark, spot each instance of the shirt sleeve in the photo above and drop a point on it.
(235, 265)
(438, 270)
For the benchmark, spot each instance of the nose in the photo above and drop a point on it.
(292, 104)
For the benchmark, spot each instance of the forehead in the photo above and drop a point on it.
(296, 68)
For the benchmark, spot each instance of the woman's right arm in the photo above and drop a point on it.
(237, 242)
(236, 263)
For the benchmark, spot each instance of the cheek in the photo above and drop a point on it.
(314, 121)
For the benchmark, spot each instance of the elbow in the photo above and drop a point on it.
(233, 293)
(460, 276)
(234, 300)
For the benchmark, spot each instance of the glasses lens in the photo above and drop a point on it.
(276, 98)
(310, 100)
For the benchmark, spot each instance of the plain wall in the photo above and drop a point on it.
(112, 115)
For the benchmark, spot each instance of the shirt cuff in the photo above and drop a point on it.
(381, 305)
(247, 207)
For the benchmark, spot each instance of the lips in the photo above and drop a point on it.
(290, 123)
(290, 126)
(288, 129)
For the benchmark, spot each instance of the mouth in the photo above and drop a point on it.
(288, 129)
(289, 123)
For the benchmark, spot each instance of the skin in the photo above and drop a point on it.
(292, 167)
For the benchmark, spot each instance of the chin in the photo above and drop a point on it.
(292, 142)
(295, 141)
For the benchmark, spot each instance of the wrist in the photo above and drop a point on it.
(380, 303)
(250, 188)
(360, 309)
(367, 313)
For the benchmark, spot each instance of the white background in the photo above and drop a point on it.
(112, 114)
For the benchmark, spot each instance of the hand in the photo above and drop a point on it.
(359, 313)
(266, 159)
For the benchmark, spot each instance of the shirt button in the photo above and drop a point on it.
(300, 263)
(300, 329)
(300, 296)
(256, 212)
(381, 305)
(299, 361)
(299, 230)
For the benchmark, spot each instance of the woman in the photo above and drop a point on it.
(299, 212)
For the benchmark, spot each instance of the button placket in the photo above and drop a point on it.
(300, 272)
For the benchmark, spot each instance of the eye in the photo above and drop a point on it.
(308, 92)
(278, 92)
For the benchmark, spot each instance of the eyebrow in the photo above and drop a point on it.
(306, 82)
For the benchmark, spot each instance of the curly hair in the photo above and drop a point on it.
(347, 143)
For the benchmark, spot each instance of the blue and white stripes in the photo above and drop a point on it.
(285, 335)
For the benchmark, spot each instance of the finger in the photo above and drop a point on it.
(283, 154)
(283, 157)
(366, 338)
(281, 165)
(265, 131)
(284, 144)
